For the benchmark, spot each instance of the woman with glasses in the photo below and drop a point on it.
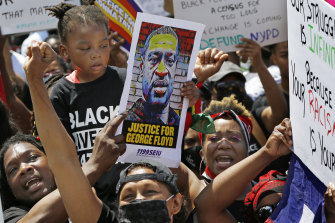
(212, 202)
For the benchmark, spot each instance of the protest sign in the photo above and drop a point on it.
(161, 59)
(18, 16)
(263, 21)
(312, 77)
(122, 16)
(155, 7)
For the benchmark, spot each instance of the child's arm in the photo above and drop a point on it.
(74, 187)
(228, 185)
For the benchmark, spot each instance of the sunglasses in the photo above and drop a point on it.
(229, 84)
(264, 212)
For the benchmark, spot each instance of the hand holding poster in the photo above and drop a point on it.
(312, 77)
(17, 16)
(122, 16)
(161, 59)
(263, 21)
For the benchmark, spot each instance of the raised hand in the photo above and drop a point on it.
(190, 91)
(108, 147)
(39, 56)
(208, 62)
(252, 50)
(280, 141)
(118, 57)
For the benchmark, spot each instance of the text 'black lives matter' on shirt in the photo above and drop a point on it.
(85, 108)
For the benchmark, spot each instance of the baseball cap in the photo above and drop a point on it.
(227, 68)
(161, 173)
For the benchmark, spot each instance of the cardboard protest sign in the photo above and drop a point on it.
(122, 16)
(161, 59)
(155, 7)
(312, 76)
(18, 16)
(227, 21)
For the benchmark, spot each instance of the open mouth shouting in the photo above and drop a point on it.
(223, 161)
(33, 184)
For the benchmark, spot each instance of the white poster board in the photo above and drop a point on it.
(312, 84)
(227, 21)
(19, 16)
(162, 57)
(155, 7)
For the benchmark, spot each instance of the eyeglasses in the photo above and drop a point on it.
(264, 212)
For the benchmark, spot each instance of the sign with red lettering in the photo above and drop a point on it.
(121, 16)
(312, 76)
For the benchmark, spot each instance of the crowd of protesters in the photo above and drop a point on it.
(235, 173)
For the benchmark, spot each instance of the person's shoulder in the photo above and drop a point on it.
(15, 213)
(121, 72)
(61, 87)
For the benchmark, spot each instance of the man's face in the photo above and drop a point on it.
(28, 173)
(159, 67)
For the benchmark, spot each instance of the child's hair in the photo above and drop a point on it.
(71, 16)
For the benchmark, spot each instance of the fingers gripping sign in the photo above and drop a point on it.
(39, 56)
(108, 146)
(191, 92)
(252, 50)
(280, 141)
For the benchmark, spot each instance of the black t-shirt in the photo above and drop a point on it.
(107, 215)
(85, 108)
(15, 213)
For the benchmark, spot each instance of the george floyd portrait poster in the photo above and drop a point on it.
(162, 57)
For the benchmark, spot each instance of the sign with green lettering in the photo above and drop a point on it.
(263, 21)
(312, 76)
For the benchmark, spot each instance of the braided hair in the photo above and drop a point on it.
(71, 16)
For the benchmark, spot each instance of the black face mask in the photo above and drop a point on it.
(191, 157)
(144, 211)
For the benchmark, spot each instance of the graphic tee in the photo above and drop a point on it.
(84, 108)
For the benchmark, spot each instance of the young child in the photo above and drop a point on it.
(86, 99)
